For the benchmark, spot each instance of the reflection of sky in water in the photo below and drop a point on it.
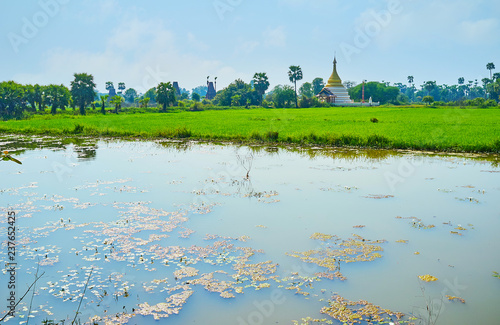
(72, 198)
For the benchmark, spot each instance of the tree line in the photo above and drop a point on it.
(17, 100)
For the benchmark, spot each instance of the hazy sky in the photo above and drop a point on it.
(145, 42)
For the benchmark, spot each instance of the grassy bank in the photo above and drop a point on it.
(438, 129)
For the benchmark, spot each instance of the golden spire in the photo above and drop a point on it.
(334, 80)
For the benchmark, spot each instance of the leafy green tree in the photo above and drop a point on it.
(429, 86)
(260, 83)
(461, 80)
(82, 90)
(306, 90)
(29, 96)
(225, 96)
(130, 95)
(195, 96)
(428, 100)
(379, 92)
(490, 66)
(494, 90)
(317, 84)
(144, 102)
(410, 80)
(11, 99)
(200, 90)
(117, 101)
(121, 87)
(235, 100)
(104, 99)
(294, 75)
(282, 96)
(165, 94)
(57, 96)
(151, 94)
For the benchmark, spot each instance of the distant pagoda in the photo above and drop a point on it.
(335, 92)
(210, 90)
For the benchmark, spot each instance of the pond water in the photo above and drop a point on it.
(176, 232)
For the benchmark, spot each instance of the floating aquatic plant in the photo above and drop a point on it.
(352, 312)
(427, 278)
(454, 298)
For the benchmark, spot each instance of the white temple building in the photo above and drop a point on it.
(335, 92)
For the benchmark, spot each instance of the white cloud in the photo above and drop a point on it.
(481, 31)
(196, 43)
(139, 53)
(275, 37)
(246, 47)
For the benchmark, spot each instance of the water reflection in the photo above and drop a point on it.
(186, 232)
(86, 148)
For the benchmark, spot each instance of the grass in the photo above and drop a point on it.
(417, 128)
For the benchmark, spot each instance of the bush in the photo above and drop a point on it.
(490, 103)
(196, 106)
(256, 136)
(374, 120)
(479, 102)
(78, 129)
(272, 135)
(267, 104)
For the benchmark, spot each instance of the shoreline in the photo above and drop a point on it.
(490, 156)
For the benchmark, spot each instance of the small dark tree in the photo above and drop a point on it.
(196, 97)
(428, 100)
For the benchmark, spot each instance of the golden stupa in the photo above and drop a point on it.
(334, 91)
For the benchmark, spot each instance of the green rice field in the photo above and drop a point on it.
(414, 128)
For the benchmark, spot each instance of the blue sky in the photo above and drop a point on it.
(142, 43)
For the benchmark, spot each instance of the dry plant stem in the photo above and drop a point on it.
(5, 316)
(83, 295)
(33, 293)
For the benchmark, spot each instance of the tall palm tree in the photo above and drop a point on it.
(295, 74)
(261, 84)
(121, 87)
(490, 66)
(410, 80)
(104, 99)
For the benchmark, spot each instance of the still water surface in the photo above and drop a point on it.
(176, 231)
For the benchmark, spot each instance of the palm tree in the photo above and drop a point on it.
(295, 74)
(410, 80)
(117, 101)
(104, 99)
(165, 94)
(82, 90)
(144, 102)
(429, 86)
(490, 66)
(261, 84)
(121, 87)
